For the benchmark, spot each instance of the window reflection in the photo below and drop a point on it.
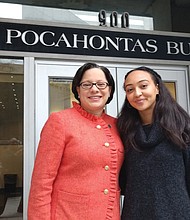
(11, 137)
(60, 94)
(171, 87)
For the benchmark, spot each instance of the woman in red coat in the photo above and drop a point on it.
(79, 156)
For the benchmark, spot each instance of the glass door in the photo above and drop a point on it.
(53, 90)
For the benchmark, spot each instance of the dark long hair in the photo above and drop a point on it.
(173, 119)
(80, 72)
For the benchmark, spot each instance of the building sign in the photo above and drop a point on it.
(92, 42)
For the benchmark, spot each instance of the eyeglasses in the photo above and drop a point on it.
(88, 85)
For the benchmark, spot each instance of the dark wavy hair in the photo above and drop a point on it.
(173, 119)
(80, 72)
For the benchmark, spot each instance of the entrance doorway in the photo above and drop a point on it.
(53, 87)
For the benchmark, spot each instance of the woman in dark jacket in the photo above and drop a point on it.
(155, 130)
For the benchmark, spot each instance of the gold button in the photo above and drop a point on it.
(106, 167)
(107, 144)
(106, 191)
(98, 126)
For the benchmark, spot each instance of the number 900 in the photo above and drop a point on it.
(113, 19)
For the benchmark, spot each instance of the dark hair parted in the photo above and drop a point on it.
(80, 72)
(173, 119)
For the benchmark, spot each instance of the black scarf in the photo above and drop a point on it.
(149, 136)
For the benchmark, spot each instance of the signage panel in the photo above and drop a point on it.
(92, 42)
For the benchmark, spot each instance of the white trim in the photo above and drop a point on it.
(29, 131)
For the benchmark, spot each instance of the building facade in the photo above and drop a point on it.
(43, 43)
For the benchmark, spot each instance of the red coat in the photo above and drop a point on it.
(76, 170)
